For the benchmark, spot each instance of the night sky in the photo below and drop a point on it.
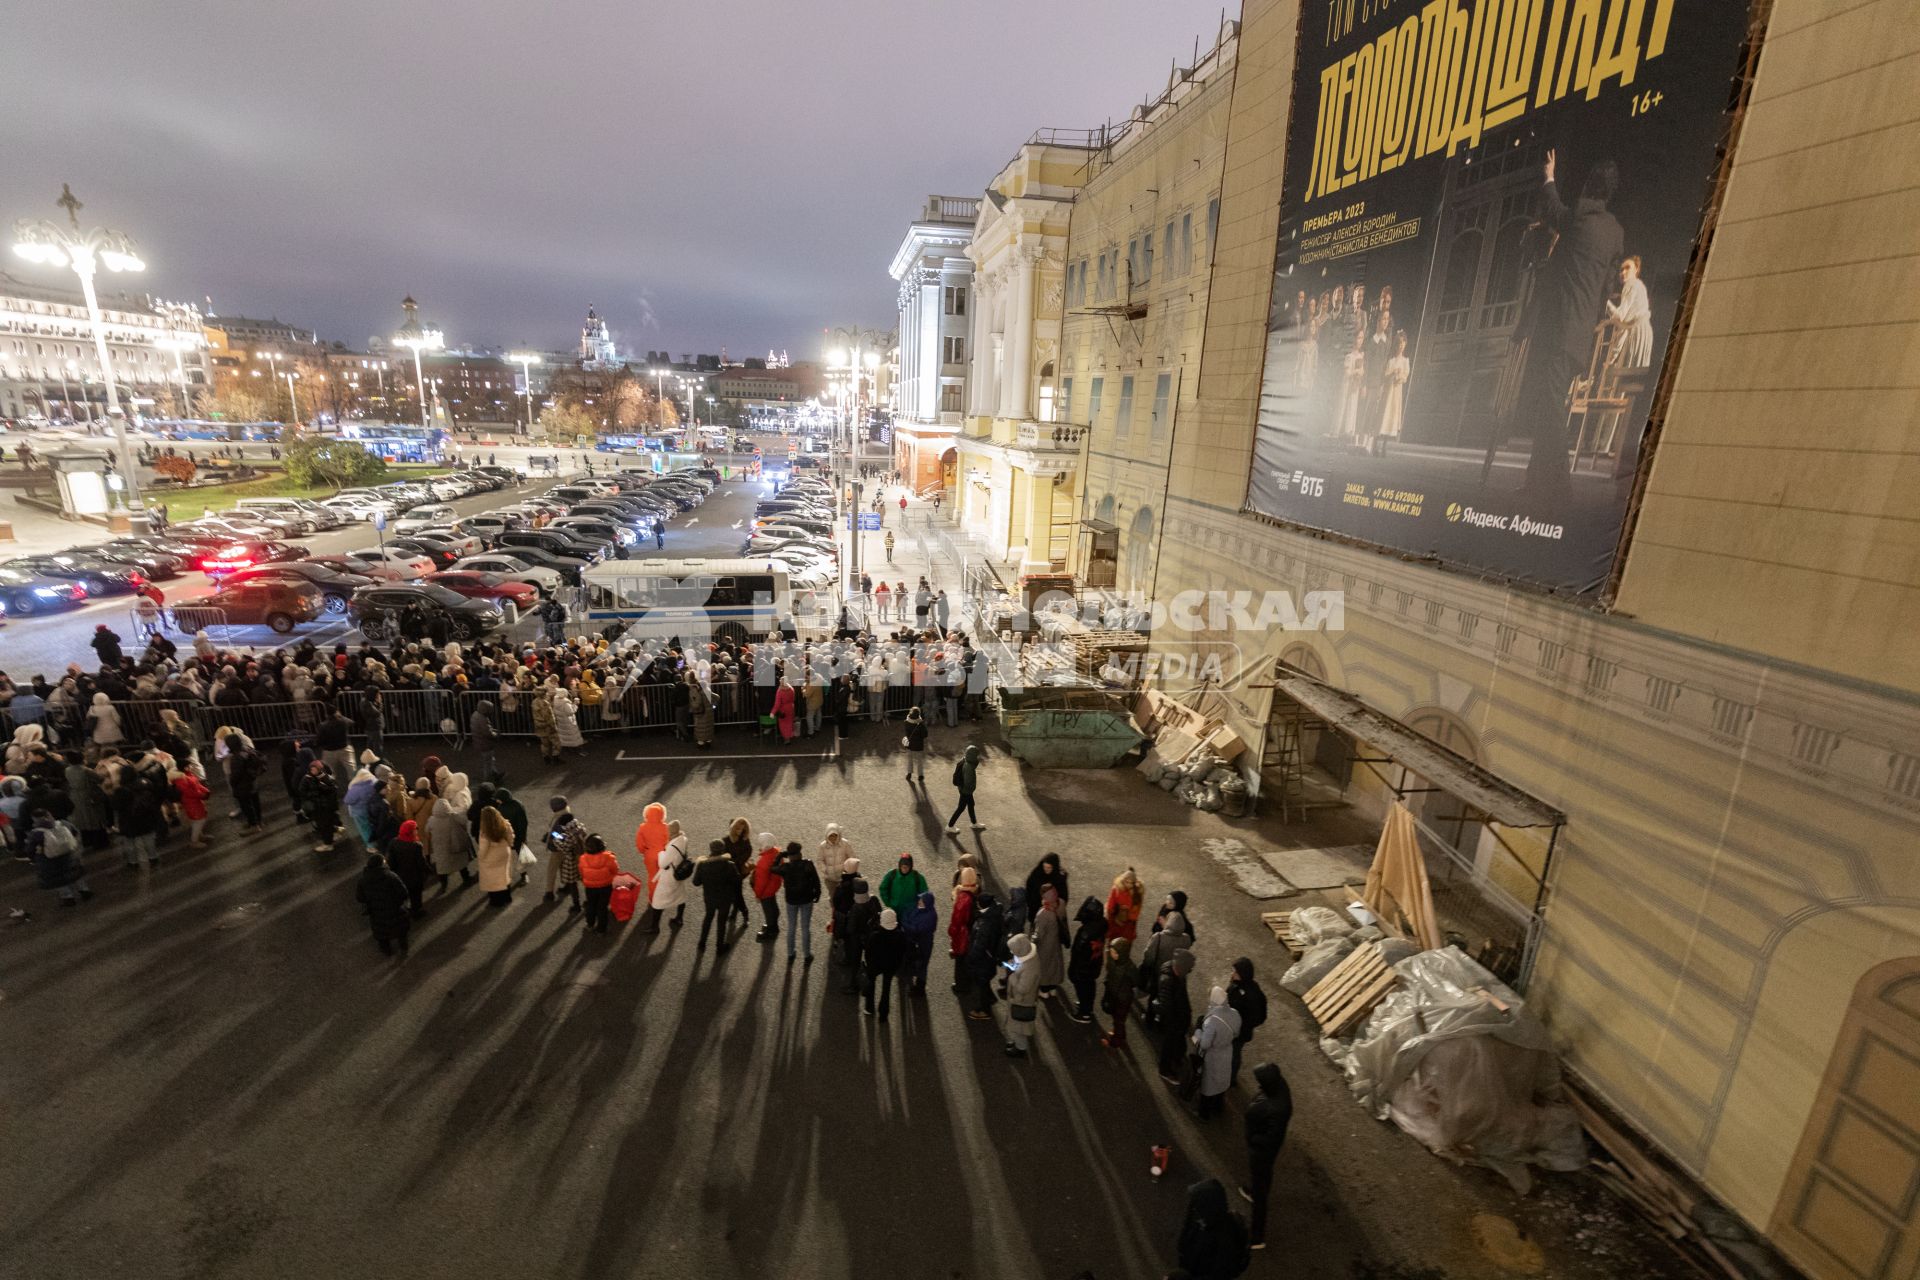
(731, 172)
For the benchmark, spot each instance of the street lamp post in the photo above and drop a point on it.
(427, 341)
(179, 344)
(292, 400)
(44, 241)
(526, 360)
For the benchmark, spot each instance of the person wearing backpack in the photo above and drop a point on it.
(966, 777)
(670, 884)
(1083, 961)
(1250, 1002)
(800, 883)
(54, 849)
(1213, 1241)
(719, 886)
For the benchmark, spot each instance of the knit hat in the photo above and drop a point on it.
(851, 867)
(557, 803)
(859, 890)
(889, 920)
(1182, 962)
(766, 839)
(1217, 996)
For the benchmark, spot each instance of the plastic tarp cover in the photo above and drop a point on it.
(1315, 963)
(1318, 924)
(1473, 1081)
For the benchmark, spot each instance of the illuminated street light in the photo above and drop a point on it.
(50, 244)
(526, 360)
(180, 344)
(418, 341)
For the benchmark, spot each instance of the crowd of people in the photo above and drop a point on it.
(120, 758)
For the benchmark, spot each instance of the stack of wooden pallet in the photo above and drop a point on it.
(1281, 922)
(1091, 645)
(1648, 1187)
(1339, 1001)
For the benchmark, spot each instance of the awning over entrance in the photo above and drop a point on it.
(1500, 801)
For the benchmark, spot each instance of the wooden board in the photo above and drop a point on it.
(1281, 923)
(1350, 990)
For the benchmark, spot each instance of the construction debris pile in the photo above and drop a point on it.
(1192, 754)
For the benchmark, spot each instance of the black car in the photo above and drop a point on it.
(157, 565)
(442, 554)
(335, 587)
(26, 593)
(99, 577)
(552, 540)
(377, 610)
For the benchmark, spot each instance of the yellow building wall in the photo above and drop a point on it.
(1742, 827)
(1785, 489)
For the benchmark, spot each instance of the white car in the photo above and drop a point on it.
(766, 537)
(392, 564)
(589, 526)
(234, 527)
(466, 544)
(424, 517)
(358, 506)
(546, 580)
(448, 489)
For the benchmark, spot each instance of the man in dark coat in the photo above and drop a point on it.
(1570, 290)
(983, 953)
(719, 886)
(1170, 1013)
(320, 803)
(1267, 1119)
(385, 899)
(863, 918)
(885, 951)
(1245, 998)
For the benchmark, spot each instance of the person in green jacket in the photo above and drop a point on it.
(901, 888)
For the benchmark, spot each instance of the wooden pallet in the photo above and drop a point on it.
(1347, 994)
(1281, 922)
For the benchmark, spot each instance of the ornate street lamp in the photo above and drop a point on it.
(50, 244)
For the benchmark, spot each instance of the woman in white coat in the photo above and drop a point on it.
(449, 832)
(669, 889)
(1214, 1043)
(566, 721)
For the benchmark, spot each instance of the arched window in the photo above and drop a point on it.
(1137, 555)
(1446, 815)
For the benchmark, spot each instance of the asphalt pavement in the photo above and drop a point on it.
(212, 1072)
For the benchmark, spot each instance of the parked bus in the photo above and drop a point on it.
(735, 600)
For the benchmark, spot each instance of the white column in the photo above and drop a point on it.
(980, 358)
(926, 406)
(1020, 359)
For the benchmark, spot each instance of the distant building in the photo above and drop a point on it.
(936, 287)
(596, 343)
(50, 367)
(752, 387)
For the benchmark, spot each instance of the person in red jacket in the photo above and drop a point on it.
(766, 887)
(193, 795)
(598, 867)
(1123, 905)
(960, 927)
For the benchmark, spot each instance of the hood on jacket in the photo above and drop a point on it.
(1267, 1076)
(101, 699)
(766, 840)
(1216, 997)
(851, 867)
(409, 830)
(1021, 946)
(906, 862)
(889, 920)
(1121, 949)
(28, 735)
(1179, 899)
(1206, 1202)
(1091, 913)
(860, 893)
(973, 754)
(1182, 963)
(923, 901)
(969, 878)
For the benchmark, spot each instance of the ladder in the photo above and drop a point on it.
(1280, 759)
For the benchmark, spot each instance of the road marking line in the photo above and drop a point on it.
(623, 758)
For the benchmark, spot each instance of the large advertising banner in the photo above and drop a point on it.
(1489, 212)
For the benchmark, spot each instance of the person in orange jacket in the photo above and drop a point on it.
(650, 839)
(193, 795)
(598, 867)
(766, 887)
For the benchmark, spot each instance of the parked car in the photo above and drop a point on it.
(767, 537)
(512, 568)
(317, 514)
(231, 526)
(505, 475)
(157, 565)
(557, 543)
(235, 556)
(489, 586)
(465, 544)
(568, 567)
(361, 504)
(435, 550)
(377, 609)
(394, 564)
(617, 533)
(26, 592)
(99, 577)
(285, 524)
(279, 603)
(422, 516)
(336, 586)
(491, 524)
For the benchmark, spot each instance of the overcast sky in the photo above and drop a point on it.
(723, 171)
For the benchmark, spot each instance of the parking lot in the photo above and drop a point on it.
(47, 643)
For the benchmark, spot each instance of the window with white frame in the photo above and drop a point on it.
(1123, 417)
(1162, 387)
(953, 349)
(954, 300)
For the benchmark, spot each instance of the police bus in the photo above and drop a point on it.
(735, 600)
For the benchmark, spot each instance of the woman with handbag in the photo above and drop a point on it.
(670, 885)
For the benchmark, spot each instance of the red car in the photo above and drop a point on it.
(489, 586)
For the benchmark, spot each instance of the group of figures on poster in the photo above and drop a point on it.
(1488, 218)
